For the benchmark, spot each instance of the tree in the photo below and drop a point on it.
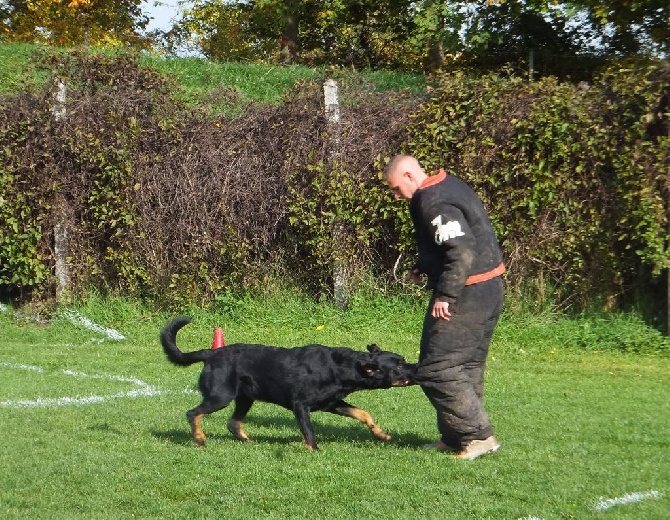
(436, 31)
(615, 27)
(225, 31)
(72, 22)
(498, 33)
(371, 34)
(631, 26)
(362, 33)
(419, 34)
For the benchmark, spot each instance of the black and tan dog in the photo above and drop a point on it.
(302, 379)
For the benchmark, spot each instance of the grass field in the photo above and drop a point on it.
(94, 427)
(202, 81)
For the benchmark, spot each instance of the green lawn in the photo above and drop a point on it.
(219, 86)
(95, 428)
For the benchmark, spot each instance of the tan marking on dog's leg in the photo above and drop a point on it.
(361, 415)
(304, 441)
(237, 429)
(198, 435)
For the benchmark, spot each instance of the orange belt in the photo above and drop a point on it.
(483, 277)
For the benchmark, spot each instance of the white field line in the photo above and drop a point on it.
(604, 504)
(142, 390)
(80, 319)
(22, 367)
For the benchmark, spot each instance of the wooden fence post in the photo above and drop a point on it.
(60, 97)
(332, 110)
(60, 256)
(62, 269)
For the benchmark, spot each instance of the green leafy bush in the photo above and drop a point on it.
(572, 181)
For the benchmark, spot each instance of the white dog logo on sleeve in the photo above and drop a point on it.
(446, 231)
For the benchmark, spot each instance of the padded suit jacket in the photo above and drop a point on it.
(455, 238)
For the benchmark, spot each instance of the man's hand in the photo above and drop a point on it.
(441, 310)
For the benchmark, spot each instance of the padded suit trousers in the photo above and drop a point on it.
(452, 361)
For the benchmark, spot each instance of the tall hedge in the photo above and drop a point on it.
(575, 183)
(170, 203)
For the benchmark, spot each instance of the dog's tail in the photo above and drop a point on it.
(169, 342)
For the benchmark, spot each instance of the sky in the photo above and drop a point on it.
(162, 14)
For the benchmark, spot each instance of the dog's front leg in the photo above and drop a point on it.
(345, 409)
(301, 413)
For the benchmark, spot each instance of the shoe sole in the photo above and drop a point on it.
(444, 447)
(472, 456)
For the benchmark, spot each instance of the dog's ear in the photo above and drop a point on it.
(374, 348)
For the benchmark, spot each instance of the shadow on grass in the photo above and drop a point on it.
(325, 433)
(179, 437)
(105, 428)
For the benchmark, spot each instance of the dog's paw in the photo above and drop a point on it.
(237, 429)
(381, 434)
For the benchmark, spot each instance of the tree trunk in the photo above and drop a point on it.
(435, 55)
(288, 46)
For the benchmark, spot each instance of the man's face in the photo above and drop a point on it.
(401, 185)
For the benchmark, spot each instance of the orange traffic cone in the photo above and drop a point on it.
(218, 342)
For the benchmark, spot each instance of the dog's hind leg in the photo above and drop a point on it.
(346, 410)
(305, 422)
(195, 417)
(236, 422)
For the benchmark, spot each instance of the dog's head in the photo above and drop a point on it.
(383, 369)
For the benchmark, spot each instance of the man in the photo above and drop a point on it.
(461, 258)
